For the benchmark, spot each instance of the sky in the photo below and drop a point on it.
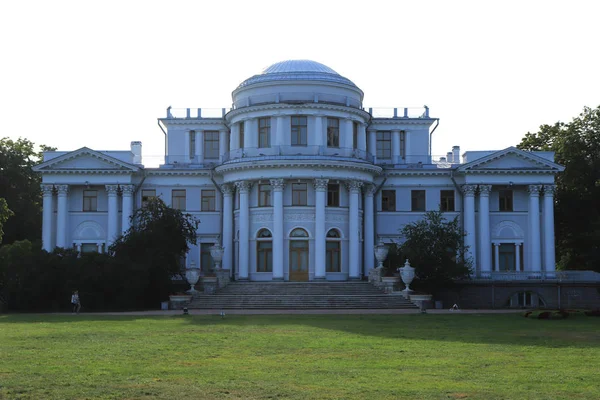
(99, 74)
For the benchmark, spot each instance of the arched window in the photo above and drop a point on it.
(299, 233)
(333, 247)
(264, 251)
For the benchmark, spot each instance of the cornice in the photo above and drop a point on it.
(400, 121)
(296, 109)
(254, 165)
(177, 172)
(194, 121)
(519, 171)
(81, 171)
(86, 152)
(418, 172)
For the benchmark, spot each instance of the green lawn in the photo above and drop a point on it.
(500, 356)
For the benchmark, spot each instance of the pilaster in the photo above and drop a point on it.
(243, 188)
(369, 229)
(277, 186)
(320, 237)
(227, 190)
(353, 253)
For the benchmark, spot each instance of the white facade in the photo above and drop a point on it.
(298, 180)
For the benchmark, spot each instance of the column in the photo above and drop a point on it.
(353, 218)
(362, 136)
(234, 138)
(347, 135)
(127, 191)
(534, 229)
(409, 158)
(485, 261)
(496, 256)
(319, 139)
(243, 188)
(99, 245)
(279, 138)
(396, 146)
(78, 249)
(249, 134)
(277, 186)
(518, 257)
(469, 210)
(548, 216)
(223, 143)
(62, 215)
(47, 217)
(320, 199)
(372, 147)
(227, 190)
(199, 147)
(369, 229)
(113, 214)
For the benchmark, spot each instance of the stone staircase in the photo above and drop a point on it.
(299, 295)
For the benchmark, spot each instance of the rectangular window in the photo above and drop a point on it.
(403, 144)
(264, 132)
(333, 132)
(355, 135)
(299, 196)
(241, 143)
(207, 265)
(333, 195)
(178, 199)
(192, 144)
(264, 195)
(505, 198)
(90, 200)
(332, 256)
(208, 200)
(417, 200)
(447, 200)
(299, 129)
(388, 200)
(211, 144)
(264, 255)
(384, 145)
(147, 194)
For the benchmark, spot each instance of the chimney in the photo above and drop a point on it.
(136, 149)
(449, 156)
(456, 154)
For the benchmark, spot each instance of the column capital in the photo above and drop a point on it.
(227, 189)
(127, 190)
(112, 189)
(321, 184)
(469, 190)
(62, 189)
(369, 189)
(47, 189)
(354, 186)
(484, 190)
(549, 190)
(518, 244)
(534, 190)
(277, 184)
(243, 186)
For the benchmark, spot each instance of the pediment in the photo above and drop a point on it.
(86, 160)
(511, 160)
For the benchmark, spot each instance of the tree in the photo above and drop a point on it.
(5, 214)
(433, 245)
(577, 200)
(152, 249)
(20, 187)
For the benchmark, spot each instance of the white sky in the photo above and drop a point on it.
(99, 74)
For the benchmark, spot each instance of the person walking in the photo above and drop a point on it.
(75, 302)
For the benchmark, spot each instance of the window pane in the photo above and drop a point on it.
(388, 200)
(264, 195)
(299, 196)
(384, 144)
(178, 199)
(333, 132)
(447, 200)
(333, 195)
(211, 144)
(90, 200)
(208, 200)
(299, 127)
(147, 194)
(417, 200)
(264, 132)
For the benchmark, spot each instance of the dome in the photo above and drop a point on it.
(297, 70)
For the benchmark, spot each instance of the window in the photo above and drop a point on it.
(178, 199)
(208, 200)
(299, 129)
(384, 145)
(505, 200)
(90, 200)
(264, 195)
(207, 265)
(211, 144)
(403, 144)
(299, 197)
(264, 132)
(87, 248)
(299, 233)
(147, 195)
(332, 249)
(507, 257)
(388, 200)
(447, 200)
(333, 132)
(333, 195)
(241, 144)
(355, 135)
(417, 200)
(264, 251)
(192, 144)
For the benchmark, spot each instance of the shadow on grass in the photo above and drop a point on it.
(505, 329)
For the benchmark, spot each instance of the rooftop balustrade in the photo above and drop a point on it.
(195, 113)
(297, 152)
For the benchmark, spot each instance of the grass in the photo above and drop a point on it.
(456, 356)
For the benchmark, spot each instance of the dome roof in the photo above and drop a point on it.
(297, 70)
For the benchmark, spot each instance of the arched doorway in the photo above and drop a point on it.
(264, 251)
(298, 255)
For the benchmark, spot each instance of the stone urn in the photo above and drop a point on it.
(407, 273)
(381, 252)
(216, 252)
(192, 274)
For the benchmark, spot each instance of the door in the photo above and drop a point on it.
(298, 260)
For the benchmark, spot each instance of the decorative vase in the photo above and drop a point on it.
(192, 274)
(216, 252)
(381, 252)
(407, 273)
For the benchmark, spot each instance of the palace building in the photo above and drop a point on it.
(298, 180)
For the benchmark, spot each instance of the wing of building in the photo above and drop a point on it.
(298, 180)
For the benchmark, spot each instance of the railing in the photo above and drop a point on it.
(395, 112)
(557, 276)
(195, 113)
(296, 152)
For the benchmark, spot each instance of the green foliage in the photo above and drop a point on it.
(20, 186)
(5, 214)
(433, 245)
(577, 210)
